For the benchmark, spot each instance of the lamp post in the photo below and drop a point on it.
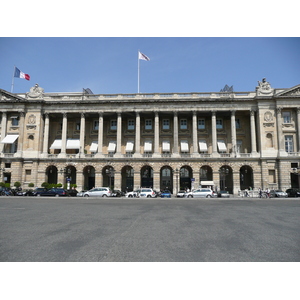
(110, 173)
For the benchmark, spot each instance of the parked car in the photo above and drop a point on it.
(133, 194)
(223, 194)
(80, 194)
(181, 194)
(37, 191)
(54, 192)
(200, 193)
(25, 193)
(278, 193)
(72, 192)
(148, 193)
(166, 194)
(293, 192)
(98, 192)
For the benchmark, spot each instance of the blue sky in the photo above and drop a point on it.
(186, 64)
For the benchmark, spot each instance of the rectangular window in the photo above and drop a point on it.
(14, 121)
(78, 126)
(183, 124)
(289, 144)
(166, 124)
(27, 175)
(113, 125)
(286, 116)
(272, 177)
(239, 146)
(237, 124)
(148, 124)
(219, 124)
(130, 125)
(96, 125)
(201, 124)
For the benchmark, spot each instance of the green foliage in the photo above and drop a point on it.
(45, 185)
(31, 184)
(17, 184)
(2, 184)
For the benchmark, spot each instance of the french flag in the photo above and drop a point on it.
(20, 74)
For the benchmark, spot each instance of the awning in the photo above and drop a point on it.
(10, 139)
(129, 146)
(94, 146)
(56, 144)
(166, 146)
(112, 147)
(207, 183)
(73, 144)
(184, 146)
(148, 147)
(222, 147)
(202, 146)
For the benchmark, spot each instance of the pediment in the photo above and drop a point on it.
(292, 92)
(6, 96)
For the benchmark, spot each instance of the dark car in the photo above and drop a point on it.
(166, 194)
(293, 192)
(72, 192)
(37, 191)
(223, 194)
(54, 192)
(25, 193)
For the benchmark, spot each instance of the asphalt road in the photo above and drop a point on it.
(149, 230)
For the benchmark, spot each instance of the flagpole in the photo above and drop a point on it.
(13, 80)
(138, 72)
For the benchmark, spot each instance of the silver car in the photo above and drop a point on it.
(200, 193)
(98, 192)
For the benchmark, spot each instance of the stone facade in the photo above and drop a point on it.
(226, 140)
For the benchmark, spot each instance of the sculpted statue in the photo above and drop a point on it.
(264, 87)
(35, 92)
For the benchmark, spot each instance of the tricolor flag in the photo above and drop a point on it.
(20, 74)
(143, 56)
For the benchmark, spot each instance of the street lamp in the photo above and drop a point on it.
(110, 173)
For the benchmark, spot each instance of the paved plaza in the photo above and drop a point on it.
(149, 230)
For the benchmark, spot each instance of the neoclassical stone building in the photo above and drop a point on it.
(226, 140)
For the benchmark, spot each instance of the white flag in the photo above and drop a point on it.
(143, 56)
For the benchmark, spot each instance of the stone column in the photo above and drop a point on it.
(175, 124)
(195, 134)
(64, 135)
(3, 129)
(46, 135)
(253, 132)
(156, 135)
(98, 179)
(100, 135)
(233, 133)
(82, 134)
(214, 133)
(21, 132)
(298, 129)
(136, 180)
(117, 182)
(119, 134)
(137, 136)
(156, 180)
